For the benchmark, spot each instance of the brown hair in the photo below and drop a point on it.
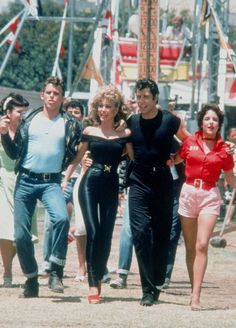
(205, 109)
(54, 80)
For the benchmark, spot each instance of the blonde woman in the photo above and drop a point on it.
(98, 191)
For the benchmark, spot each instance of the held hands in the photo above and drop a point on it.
(120, 126)
(230, 147)
(64, 184)
(87, 161)
(4, 124)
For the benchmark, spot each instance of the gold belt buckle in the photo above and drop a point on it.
(198, 183)
(107, 168)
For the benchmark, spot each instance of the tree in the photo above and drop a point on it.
(29, 68)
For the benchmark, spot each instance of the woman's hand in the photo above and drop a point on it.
(4, 124)
(64, 184)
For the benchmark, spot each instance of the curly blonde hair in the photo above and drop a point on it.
(113, 94)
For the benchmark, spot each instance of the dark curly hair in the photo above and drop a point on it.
(205, 108)
(11, 101)
(147, 84)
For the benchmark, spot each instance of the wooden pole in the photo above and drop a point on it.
(148, 54)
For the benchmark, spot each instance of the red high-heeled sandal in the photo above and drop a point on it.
(94, 299)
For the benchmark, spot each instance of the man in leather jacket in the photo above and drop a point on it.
(44, 144)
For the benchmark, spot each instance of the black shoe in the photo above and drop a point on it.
(31, 288)
(150, 298)
(55, 283)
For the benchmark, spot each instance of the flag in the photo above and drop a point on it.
(11, 23)
(62, 52)
(12, 26)
(107, 25)
(90, 71)
(34, 7)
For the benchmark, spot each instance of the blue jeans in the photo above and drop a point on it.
(126, 243)
(27, 192)
(48, 226)
(175, 229)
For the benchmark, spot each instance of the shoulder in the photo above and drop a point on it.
(171, 119)
(90, 130)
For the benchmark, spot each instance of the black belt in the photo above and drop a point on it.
(41, 176)
(105, 167)
(149, 168)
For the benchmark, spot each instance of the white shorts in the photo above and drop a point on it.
(193, 201)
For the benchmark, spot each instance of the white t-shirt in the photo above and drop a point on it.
(46, 144)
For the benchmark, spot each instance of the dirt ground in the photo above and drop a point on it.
(120, 308)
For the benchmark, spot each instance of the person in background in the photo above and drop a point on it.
(177, 31)
(11, 109)
(177, 172)
(126, 242)
(180, 33)
(231, 136)
(98, 200)
(205, 155)
(44, 144)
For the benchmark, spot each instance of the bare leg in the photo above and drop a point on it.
(69, 209)
(189, 229)
(206, 225)
(8, 252)
(81, 251)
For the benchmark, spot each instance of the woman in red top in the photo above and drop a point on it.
(205, 157)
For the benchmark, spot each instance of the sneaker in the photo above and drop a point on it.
(106, 278)
(55, 283)
(31, 288)
(118, 283)
(80, 278)
(166, 283)
(7, 281)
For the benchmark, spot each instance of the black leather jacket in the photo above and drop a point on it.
(16, 149)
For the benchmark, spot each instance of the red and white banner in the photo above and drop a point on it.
(12, 27)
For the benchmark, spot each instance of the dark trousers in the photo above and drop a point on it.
(98, 196)
(150, 220)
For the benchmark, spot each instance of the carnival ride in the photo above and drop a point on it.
(194, 79)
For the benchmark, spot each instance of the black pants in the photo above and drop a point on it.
(98, 197)
(151, 208)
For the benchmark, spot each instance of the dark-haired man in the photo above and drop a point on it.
(151, 186)
(44, 145)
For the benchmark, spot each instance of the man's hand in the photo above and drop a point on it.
(4, 124)
(120, 126)
(230, 147)
(87, 160)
